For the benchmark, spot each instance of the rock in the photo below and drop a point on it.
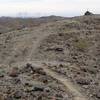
(85, 86)
(29, 68)
(61, 65)
(0, 33)
(14, 72)
(35, 88)
(1, 75)
(38, 88)
(39, 97)
(83, 81)
(17, 94)
(28, 65)
(59, 95)
(87, 13)
(60, 34)
(43, 79)
(98, 95)
(27, 89)
(26, 69)
(27, 84)
(47, 89)
(91, 70)
(16, 81)
(83, 68)
(59, 49)
(40, 71)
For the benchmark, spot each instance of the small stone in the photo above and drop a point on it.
(0, 33)
(85, 86)
(17, 95)
(38, 88)
(83, 81)
(60, 34)
(45, 81)
(59, 95)
(14, 72)
(40, 71)
(98, 95)
(59, 49)
(28, 84)
(28, 65)
(1, 75)
(61, 65)
(47, 89)
(34, 88)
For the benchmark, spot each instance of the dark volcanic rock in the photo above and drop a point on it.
(38, 88)
(88, 13)
(83, 81)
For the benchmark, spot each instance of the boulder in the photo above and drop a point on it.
(87, 13)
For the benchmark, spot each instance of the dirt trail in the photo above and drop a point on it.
(36, 44)
(40, 37)
(72, 88)
(66, 82)
(69, 86)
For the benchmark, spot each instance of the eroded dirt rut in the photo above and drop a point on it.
(73, 89)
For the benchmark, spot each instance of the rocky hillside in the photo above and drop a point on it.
(54, 59)
(8, 24)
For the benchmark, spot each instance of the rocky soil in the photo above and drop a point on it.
(68, 47)
(30, 83)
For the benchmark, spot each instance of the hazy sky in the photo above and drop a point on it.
(47, 7)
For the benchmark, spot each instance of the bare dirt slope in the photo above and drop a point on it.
(52, 61)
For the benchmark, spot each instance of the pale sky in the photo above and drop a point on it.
(48, 7)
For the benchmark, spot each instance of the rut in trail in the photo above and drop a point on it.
(73, 89)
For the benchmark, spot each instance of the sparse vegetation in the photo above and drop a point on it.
(46, 57)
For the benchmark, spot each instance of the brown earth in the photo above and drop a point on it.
(58, 59)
